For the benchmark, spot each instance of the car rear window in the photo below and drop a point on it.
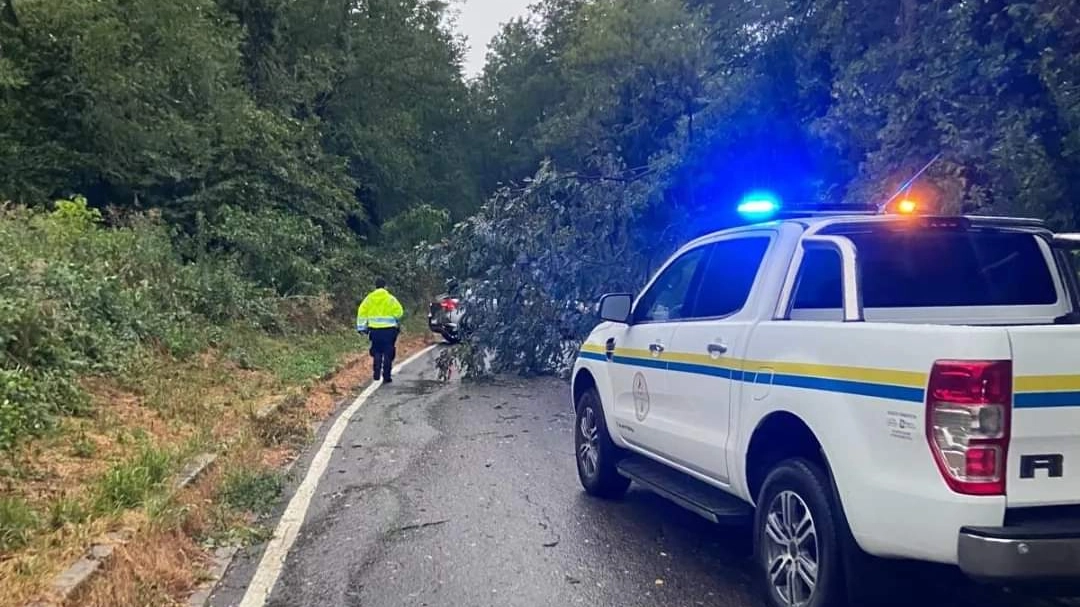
(933, 268)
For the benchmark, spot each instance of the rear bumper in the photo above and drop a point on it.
(441, 325)
(1019, 554)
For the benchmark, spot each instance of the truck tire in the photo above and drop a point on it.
(797, 538)
(594, 450)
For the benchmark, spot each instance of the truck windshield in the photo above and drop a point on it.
(933, 268)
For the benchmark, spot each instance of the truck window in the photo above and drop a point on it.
(729, 275)
(933, 268)
(667, 297)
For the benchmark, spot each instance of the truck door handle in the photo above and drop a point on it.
(656, 348)
(717, 349)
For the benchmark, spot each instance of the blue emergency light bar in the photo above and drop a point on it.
(759, 205)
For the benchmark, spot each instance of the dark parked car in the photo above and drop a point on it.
(446, 314)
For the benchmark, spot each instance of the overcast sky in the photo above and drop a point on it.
(480, 20)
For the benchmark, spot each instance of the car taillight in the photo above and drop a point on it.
(968, 414)
(449, 304)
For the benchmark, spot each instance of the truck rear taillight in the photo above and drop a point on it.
(968, 414)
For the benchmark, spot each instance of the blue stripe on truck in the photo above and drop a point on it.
(823, 384)
(1033, 400)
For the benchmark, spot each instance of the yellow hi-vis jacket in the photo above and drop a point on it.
(379, 310)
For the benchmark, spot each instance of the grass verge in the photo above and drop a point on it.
(112, 469)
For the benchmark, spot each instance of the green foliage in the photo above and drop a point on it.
(254, 491)
(535, 275)
(17, 522)
(129, 484)
(980, 83)
(29, 403)
(423, 223)
(272, 138)
(666, 112)
(21, 414)
(276, 249)
(328, 113)
(77, 297)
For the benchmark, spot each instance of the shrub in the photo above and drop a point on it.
(79, 297)
(274, 248)
(20, 413)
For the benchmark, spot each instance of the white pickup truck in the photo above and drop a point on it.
(902, 386)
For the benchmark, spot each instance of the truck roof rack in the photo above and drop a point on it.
(1007, 221)
(833, 210)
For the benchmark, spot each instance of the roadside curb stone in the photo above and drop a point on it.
(67, 582)
(71, 579)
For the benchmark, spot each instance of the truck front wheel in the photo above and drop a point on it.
(597, 455)
(796, 537)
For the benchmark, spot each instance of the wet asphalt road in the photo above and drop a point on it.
(466, 496)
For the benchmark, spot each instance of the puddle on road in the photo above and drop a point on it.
(420, 387)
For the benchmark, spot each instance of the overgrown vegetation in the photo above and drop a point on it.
(79, 298)
(649, 120)
(193, 198)
(186, 235)
(239, 175)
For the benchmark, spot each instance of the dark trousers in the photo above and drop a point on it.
(383, 351)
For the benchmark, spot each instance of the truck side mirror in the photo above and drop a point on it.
(615, 307)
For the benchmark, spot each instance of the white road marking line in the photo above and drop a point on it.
(273, 559)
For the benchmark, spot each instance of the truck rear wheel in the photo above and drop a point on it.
(797, 537)
(597, 454)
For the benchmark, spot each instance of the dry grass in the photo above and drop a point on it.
(156, 568)
(181, 408)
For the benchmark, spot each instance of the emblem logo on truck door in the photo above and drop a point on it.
(641, 397)
(1053, 463)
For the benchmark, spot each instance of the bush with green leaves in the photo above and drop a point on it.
(29, 403)
(79, 297)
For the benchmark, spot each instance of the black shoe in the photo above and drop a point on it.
(388, 381)
(376, 377)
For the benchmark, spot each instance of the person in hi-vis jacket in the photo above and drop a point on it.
(379, 315)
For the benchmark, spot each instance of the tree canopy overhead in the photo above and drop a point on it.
(316, 119)
(304, 138)
(679, 107)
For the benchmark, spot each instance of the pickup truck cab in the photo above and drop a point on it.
(902, 386)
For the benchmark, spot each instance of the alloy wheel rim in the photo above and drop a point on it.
(588, 449)
(791, 549)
